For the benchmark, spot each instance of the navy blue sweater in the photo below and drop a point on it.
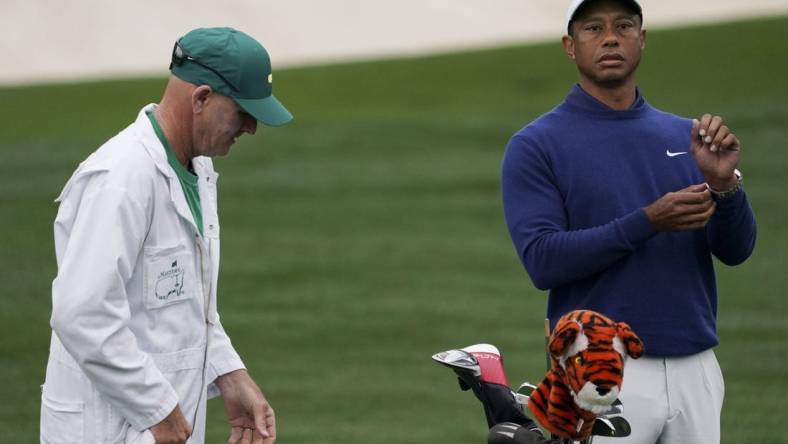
(575, 184)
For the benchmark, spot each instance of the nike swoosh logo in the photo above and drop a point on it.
(678, 153)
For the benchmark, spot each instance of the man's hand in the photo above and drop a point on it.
(686, 209)
(716, 150)
(174, 429)
(251, 418)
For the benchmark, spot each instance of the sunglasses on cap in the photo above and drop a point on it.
(179, 56)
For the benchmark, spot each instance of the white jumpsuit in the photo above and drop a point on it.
(134, 320)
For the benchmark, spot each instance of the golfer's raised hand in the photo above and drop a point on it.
(251, 418)
(716, 150)
(686, 209)
(174, 429)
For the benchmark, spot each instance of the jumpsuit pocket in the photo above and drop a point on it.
(61, 422)
(168, 276)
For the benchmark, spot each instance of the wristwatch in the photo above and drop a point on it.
(727, 194)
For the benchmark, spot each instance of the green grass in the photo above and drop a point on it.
(369, 233)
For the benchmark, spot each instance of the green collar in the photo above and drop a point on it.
(183, 173)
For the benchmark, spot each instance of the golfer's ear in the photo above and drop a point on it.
(569, 46)
(642, 39)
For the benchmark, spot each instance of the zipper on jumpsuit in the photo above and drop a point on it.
(205, 266)
(203, 246)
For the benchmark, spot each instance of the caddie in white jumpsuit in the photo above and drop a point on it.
(137, 346)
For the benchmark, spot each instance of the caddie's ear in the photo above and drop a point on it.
(199, 97)
(631, 342)
(563, 337)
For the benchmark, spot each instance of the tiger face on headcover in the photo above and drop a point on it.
(587, 353)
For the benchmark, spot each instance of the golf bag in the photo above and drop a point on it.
(479, 368)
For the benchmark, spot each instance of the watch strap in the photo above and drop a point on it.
(727, 194)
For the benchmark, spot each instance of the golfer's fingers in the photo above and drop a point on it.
(699, 196)
(706, 210)
(721, 134)
(711, 131)
(698, 220)
(690, 210)
(691, 214)
(703, 129)
(730, 143)
(696, 188)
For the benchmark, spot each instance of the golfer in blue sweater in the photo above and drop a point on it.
(619, 207)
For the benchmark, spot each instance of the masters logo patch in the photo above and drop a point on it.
(169, 283)
(169, 276)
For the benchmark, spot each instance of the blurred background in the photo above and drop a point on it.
(368, 234)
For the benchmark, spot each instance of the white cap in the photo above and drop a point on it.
(576, 4)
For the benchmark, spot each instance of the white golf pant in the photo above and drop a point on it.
(672, 400)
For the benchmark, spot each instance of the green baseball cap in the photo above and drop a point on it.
(233, 64)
